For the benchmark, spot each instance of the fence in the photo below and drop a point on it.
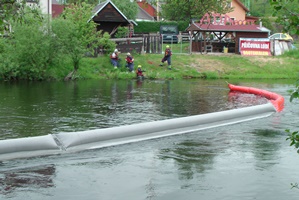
(153, 43)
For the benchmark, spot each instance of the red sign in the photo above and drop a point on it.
(255, 46)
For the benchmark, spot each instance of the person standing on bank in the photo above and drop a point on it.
(130, 62)
(115, 59)
(167, 57)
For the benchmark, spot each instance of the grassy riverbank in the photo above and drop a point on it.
(209, 66)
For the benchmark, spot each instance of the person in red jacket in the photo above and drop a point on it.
(130, 62)
(139, 72)
(167, 57)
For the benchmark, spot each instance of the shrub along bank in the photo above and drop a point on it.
(207, 66)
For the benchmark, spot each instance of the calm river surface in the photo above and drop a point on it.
(249, 160)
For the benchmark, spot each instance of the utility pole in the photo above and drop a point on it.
(158, 10)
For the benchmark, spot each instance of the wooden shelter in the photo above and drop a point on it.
(227, 33)
(109, 18)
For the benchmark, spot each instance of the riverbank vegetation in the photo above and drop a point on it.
(208, 66)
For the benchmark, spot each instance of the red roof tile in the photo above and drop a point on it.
(217, 28)
(148, 8)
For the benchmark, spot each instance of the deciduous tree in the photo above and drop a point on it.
(128, 7)
(75, 33)
(16, 11)
(187, 10)
(287, 13)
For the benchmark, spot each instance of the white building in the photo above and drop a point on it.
(45, 5)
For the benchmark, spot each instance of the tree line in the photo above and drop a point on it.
(36, 45)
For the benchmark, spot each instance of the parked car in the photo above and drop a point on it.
(281, 36)
(169, 33)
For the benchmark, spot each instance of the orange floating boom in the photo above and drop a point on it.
(276, 99)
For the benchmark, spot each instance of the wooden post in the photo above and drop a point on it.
(155, 45)
(148, 44)
(204, 42)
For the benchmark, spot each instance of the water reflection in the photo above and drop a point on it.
(85, 105)
(191, 157)
(27, 179)
(139, 83)
(266, 148)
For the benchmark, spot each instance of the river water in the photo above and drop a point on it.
(249, 160)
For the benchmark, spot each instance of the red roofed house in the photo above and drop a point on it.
(239, 12)
(147, 12)
(148, 8)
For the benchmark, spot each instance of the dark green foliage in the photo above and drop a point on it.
(16, 11)
(28, 54)
(122, 32)
(106, 44)
(188, 10)
(260, 8)
(268, 24)
(287, 14)
(38, 49)
(295, 92)
(128, 8)
(294, 139)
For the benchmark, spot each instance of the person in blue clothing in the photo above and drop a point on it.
(115, 59)
(130, 62)
(167, 57)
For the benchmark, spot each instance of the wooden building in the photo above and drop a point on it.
(109, 18)
(226, 30)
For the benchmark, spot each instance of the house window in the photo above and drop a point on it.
(229, 5)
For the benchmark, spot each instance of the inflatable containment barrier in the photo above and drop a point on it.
(92, 139)
(276, 99)
(28, 147)
(137, 132)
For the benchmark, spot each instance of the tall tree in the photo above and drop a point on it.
(260, 8)
(75, 34)
(287, 13)
(128, 7)
(15, 11)
(187, 10)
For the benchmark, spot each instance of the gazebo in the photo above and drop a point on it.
(226, 31)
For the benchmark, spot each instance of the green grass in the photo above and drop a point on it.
(223, 66)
